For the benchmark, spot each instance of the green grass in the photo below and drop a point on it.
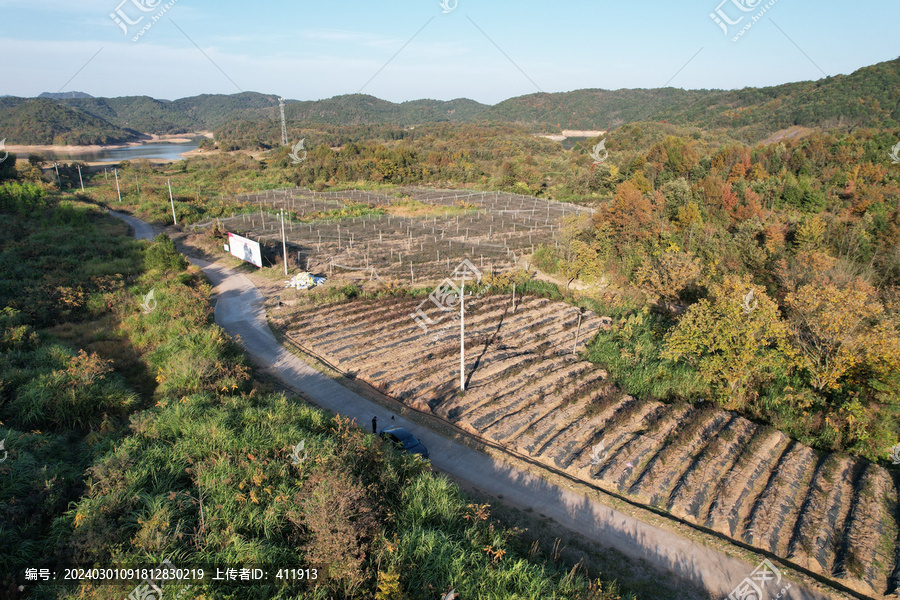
(351, 210)
(234, 453)
(630, 351)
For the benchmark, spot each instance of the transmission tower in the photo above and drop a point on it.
(284, 140)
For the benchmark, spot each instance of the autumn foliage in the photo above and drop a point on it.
(810, 228)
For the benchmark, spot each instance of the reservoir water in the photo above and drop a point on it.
(156, 150)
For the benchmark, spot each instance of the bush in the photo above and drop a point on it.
(79, 393)
(163, 256)
(14, 333)
(546, 259)
(22, 198)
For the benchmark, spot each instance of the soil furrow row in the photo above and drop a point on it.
(740, 486)
(667, 468)
(691, 496)
(781, 499)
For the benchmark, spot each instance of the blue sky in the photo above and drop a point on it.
(487, 51)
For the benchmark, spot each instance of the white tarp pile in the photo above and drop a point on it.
(304, 281)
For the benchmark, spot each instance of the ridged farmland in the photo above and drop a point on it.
(834, 515)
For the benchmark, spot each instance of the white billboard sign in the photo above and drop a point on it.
(245, 249)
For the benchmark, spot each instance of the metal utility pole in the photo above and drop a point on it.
(284, 140)
(284, 244)
(118, 191)
(172, 200)
(80, 179)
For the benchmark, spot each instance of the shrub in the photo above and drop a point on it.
(162, 255)
(340, 527)
(22, 198)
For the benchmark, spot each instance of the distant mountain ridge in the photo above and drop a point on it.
(61, 95)
(867, 97)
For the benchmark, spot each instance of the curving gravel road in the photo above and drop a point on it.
(239, 310)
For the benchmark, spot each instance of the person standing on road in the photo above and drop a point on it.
(374, 424)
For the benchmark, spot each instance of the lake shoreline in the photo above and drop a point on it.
(182, 138)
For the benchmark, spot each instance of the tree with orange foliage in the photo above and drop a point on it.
(717, 194)
(668, 275)
(749, 208)
(738, 172)
(775, 235)
(629, 213)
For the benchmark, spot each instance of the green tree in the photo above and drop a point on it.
(8, 168)
(584, 263)
(810, 234)
(574, 227)
(689, 216)
(736, 338)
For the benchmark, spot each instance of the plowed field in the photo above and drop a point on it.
(834, 515)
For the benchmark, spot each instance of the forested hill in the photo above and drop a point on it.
(87, 120)
(45, 121)
(360, 109)
(869, 97)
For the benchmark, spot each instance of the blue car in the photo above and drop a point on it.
(404, 440)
